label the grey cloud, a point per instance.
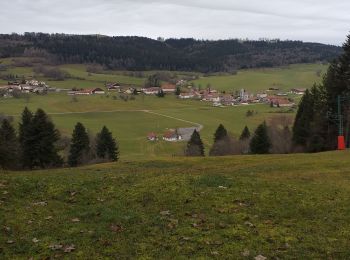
(308, 20)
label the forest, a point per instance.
(140, 53)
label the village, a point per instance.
(184, 91)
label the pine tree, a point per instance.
(79, 145)
(26, 139)
(106, 145)
(44, 137)
(9, 146)
(260, 143)
(303, 118)
(245, 134)
(160, 93)
(177, 91)
(220, 133)
(195, 145)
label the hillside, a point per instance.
(292, 206)
(138, 53)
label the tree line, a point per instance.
(316, 124)
(140, 53)
(36, 146)
(273, 138)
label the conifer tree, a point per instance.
(195, 145)
(220, 133)
(303, 118)
(160, 93)
(9, 146)
(177, 91)
(79, 145)
(44, 137)
(245, 134)
(106, 145)
(26, 139)
(260, 143)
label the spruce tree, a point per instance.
(220, 133)
(79, 145)
(160, 93)
(44, 137)
(26, 139)
(245, 134)
(9, 146)
(195, 145)
(106, 145)
(303, 119)
(260, 143)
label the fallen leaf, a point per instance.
(173, 223)
(75, 220)
(116, 228)
(48, 217)
(10, 242)
(245, 252)
(35, 240)
(40, 203)
(165, 213)
(69, 248)
(249, 224)
(222, 187)
(222, 225)
(55, 246)
(186, 238)
(260, 257)
(214, 253)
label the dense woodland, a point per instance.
(139, 53)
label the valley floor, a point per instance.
(277, 206)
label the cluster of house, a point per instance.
(169, 136)
(241, 98)
(26, 86)
(91, 91)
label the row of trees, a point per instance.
(37, 144)
(139, 53)
(275, 138)
(316, 124)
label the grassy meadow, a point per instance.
(129, 121)
(256, 80)
(277, 206)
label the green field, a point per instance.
(257, 80)
(129, 122)
(277, 206)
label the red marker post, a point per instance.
(341, 143)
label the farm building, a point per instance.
(172, 136)
(298, 91)
(169, 88)
(151, 91)
(152, 137)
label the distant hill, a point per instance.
(139, 53)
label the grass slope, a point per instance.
(286, 207)
(130, 125)
(258, 80)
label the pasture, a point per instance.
(239, 207)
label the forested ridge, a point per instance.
(140, 53)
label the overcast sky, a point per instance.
(308, 20)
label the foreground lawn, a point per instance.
(286, 207)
